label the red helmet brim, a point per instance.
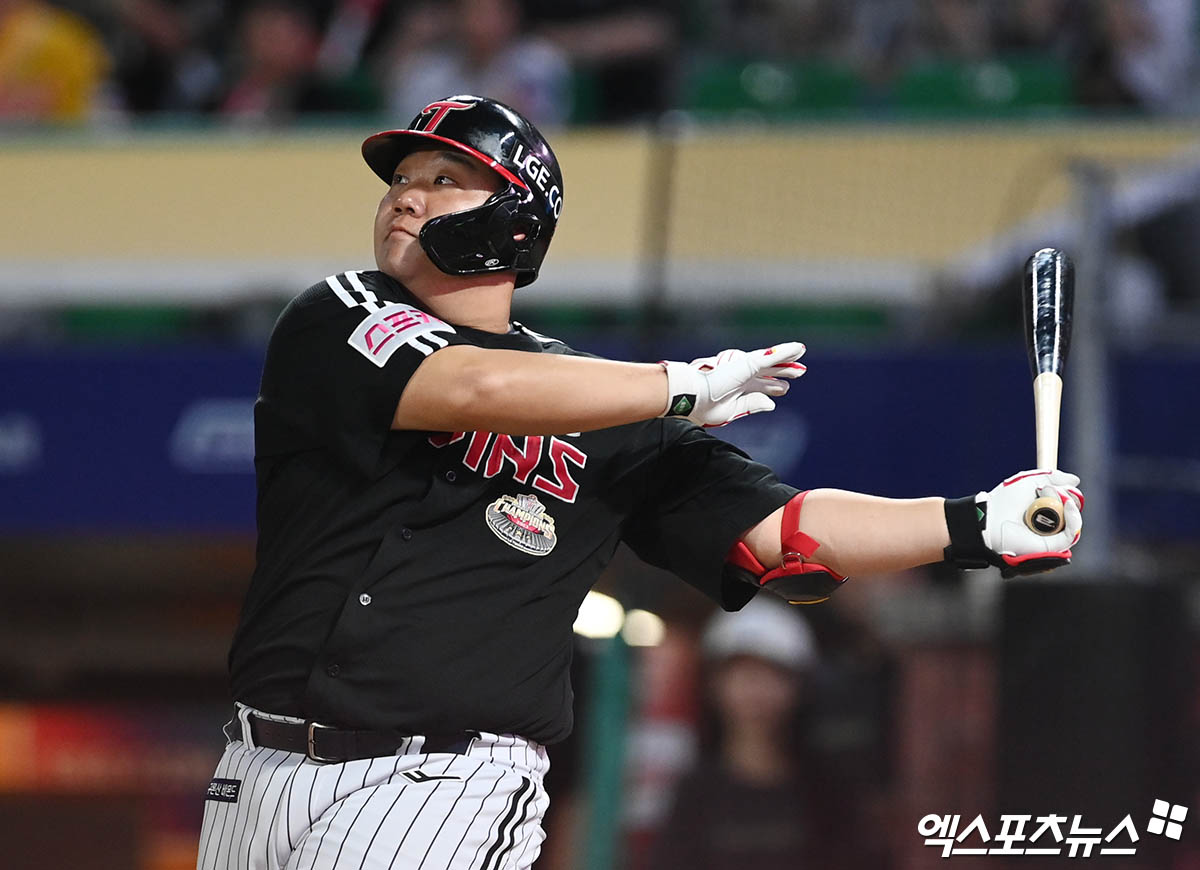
(384, 150)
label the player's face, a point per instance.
(426, 184)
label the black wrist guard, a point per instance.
(965, 519)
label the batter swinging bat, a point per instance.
(1048, 296)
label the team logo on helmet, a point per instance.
(522, 523)
(429, 118)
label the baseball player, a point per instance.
(438, 488)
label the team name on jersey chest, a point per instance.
(545, 462)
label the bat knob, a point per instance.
(1044, 516)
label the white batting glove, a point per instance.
(716, 390)
(1004, 532)
(989, 527)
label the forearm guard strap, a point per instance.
(797, 579)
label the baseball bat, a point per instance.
(1048, 297)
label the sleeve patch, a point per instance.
(384, 330)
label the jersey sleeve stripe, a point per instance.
(356, 284)
(417, 344)
(346, 285)
(338, 290)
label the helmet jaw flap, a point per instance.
(480, 240)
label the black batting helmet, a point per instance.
(480, 239)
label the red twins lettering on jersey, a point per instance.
(562, 485)
(392, 325)
(474, 454)
(524, 459)
(525, 454)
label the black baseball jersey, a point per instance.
(428, 581)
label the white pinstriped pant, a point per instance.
(409, 811)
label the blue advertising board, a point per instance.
(161, 439)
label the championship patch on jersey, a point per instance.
(522, 523)
(395, 324)
(224, 790)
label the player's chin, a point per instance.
(402, 261)
(393, 247)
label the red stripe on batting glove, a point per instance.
(1013, 480)
(1018, 560)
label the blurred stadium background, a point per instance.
(867, 176)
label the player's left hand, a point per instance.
(716, 390)
(1017, 549)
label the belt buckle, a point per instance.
(312, 748)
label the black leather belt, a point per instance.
(326, 744)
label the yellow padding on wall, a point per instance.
(853, 191)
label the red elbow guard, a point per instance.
(797, 580)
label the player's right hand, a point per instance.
(1018, 549)
(716, 390)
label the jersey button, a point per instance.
(406, 534)
(333, 670)
(364, 599)
(451, 476)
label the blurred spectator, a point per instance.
(167, 53)
(52, 63)
(1050, 27)
(348, 32)
(777, 28)
(954, 29)
(757, 798)
(277, 75)
(878, 38)
(1143, 54)
(890, 34)
(277, 57)
(477, 47)
(625, 52)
